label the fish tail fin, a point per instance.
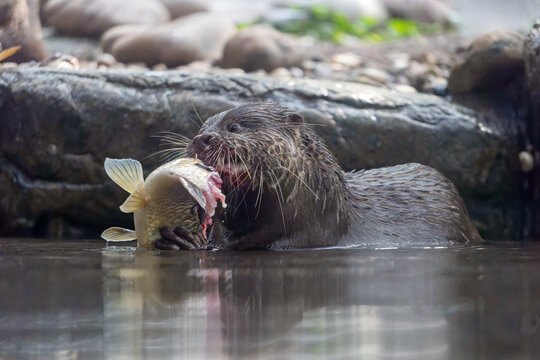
(135, 201)
(116, 234)
(127, 173)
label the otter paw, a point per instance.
(180, 239)
(163, 244)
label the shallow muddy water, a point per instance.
(84, 300)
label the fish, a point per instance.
(169, 197)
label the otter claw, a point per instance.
(181, 239)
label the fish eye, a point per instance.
(207, 168)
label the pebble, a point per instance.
(296, 72)
(321, 69)
(348, 59)
(195, 66)
(374, 74)
(281, 72)
(400, 62)
(435, 85)
(404, 88)
(417, 70)
(526, 161)
(93, 18)
(262, 47)
(106, 60)
(491, 61)
(137, 67)
(159, 67)
(199, 36)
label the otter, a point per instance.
(285, 190)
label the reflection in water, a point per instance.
(73, 300)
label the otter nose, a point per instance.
(201, 142)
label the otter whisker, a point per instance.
(245, 166)
(173, 137)
(301, 181)
(168, 154)
(259, 195)
(197, 125)
(280, 202)
(198, 116)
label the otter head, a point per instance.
(281, 182)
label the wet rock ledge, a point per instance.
(57, 127)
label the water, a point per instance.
(83, 300)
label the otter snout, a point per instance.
(203, 145)
(200, 143)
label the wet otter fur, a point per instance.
(285, 190)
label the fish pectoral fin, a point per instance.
(118, 234)
(127, 173)
(135, 201)
(194, 191)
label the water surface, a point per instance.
(84, 300)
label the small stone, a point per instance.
(376, 75)
(62, 61)
(179, 8)
(358, 8)
(435, 85)
(195, 66)
(296, 72)
(348, 59)
(281, 72)
(159, 67)
(200, 36)
(106, 60)
(308, 65)
(88, 65)
(400, 62)
(321, 69)
(417, 70)
(262, 47)
(336, 67)
(93, 18)
(491, 61)
(427, 57)
(526, 160)
(427, 11)
(137, 67)
(8, 65)
(282, 16)
(404, 88)
(229, 71)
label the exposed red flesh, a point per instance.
(212, 194)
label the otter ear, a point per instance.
(295, 118)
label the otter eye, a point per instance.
(234, 128)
